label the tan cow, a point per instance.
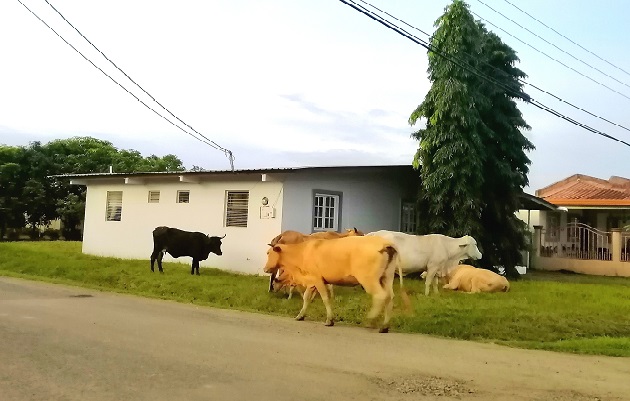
(295, 237)
(468, 278)
(349, 261)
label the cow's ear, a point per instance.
(277, 248)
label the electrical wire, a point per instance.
(203, 138)
(567, 38)
(520, 80)
(552, 58)
(523, 96)
(552, 44)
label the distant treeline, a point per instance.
(30, 199)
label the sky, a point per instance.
(289, 83)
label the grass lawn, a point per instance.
(544, 310)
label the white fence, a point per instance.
(577, 241)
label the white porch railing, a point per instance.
(576, 241)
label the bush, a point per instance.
(13, 235)
(52, 234)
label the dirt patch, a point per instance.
(428, 386)
(574, 396)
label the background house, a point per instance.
(601, 204)
(586, 233)
(249, 206)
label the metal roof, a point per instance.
(228, 172)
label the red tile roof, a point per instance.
(584, 190)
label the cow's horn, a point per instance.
(223, 236)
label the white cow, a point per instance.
(433, 253)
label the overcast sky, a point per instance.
(286, 83)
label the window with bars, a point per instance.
(236, 208)
(183, 196)
(326, 211)
(113, 210)
(552, 231)
(154, 196)
(408, 218)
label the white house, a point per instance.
(249, 206)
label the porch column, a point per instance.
(536, 243)
(616, 244)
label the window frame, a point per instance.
(236, 211)
(115, 214)
(181, 192)
(337, 210)
(153, 200)
(413, 221)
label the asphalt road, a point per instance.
(67, 343)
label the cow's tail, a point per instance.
(394, 258)
(506, 287)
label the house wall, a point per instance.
(367, 204)
(244, 249)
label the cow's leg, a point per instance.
(432, 271)
(379, 299)
(271, 279)
(323, 292)
(153, 257)
(388, 285)
(307, 298)
(159, 261)
(195, 267)
(452, 285)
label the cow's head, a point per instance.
(280, 281)
(213, 244)
(354, 232)
(468, 245)
(273, 259)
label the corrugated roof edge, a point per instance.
(242, 171)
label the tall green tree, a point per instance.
(29, 196)
(450, 155)
(12, 179)
(471, 153)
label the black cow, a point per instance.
(183, 243)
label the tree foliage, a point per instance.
(471, 153)
(29, 195)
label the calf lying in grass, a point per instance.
(470, 279)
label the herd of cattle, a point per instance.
(314, 263)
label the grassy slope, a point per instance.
(572, 313)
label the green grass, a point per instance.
(545, 310)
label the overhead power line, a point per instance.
(523, 96)
(520, 80)
(575, 43)
(201, 138)
(552, 58)
(554, 45)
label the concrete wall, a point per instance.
(368, 203)
(244, 249)
(593, 267)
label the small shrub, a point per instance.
(52, 234)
